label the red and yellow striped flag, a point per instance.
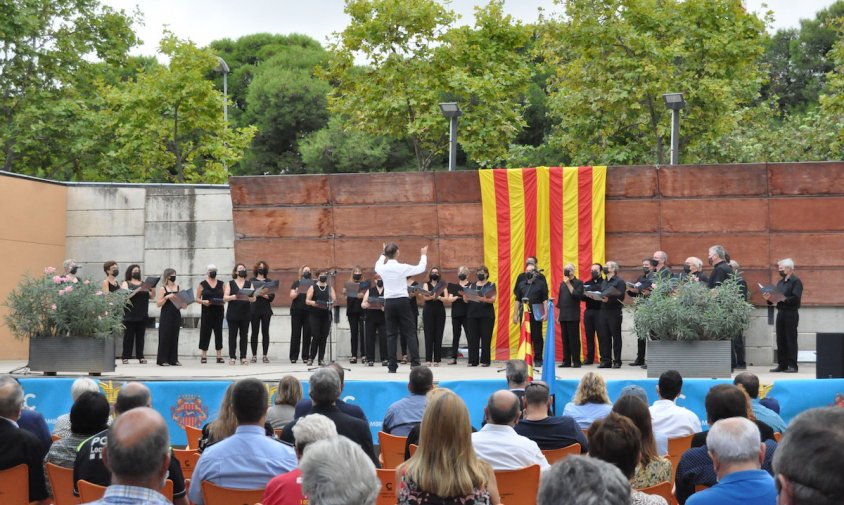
(526, 344)
(555, 214)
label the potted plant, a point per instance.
(690, 328)
(70, 325)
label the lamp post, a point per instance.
(223, 68)
(675, 102)
(452, 111)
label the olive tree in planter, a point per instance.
(70, 325)
(690, 328)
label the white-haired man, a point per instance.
(788, 316)
(336, 471)
(721, 270)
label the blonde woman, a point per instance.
(288, 395)
(226, 423)
(445, 470)
(591, 401)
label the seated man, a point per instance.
(737, 453)
(336, 471)
(248, 459)
(404, 414)
(17, 445)
(304, 406)
(549, 432)
(750, 383)
(497, 442)
(724, 401)
(581, 479)
(669, 418)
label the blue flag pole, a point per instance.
(549, 364)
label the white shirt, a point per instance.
(672, 420)
(504, 449)
(395, 274)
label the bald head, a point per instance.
(503, 408)
(138, 450)
(132, 395)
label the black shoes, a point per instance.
(576, 365)
(589, 362)
(605, 365)
(565, 365)
(790, 369)
(777, 369)
(616, 365)
(638, 362)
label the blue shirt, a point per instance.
(750, 487)
(402, 415)
(768, 416)
(131, 495)
(246, 460)
(587, 413)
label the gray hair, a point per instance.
(809, 456)
(143, 458)
(635, 390)
(516, 371)
(694, 260)
(312, 428)
(67, 263)
(585, 481)
(786, 263)
(735, 265)
(719, 251)
(324, 386)
(734, 440)
(81, 386)
(336, 471)
(612, 266)
(11, 397)
(661, 256)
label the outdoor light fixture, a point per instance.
(452, 111)
(675, 102)
(223, 68)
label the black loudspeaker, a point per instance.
(830, 355)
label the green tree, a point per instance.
(335, 149)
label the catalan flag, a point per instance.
(526, 345)
(555, 214)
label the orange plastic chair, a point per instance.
(93, 492)
(11, 490)
(554, 455)
(387, 495)
(518, 486)
(392, 449)
(55, 437)
(412, 449)
(193, 434)
(676, 448)
(187, 460)
(778, 436)
(662, 489)
(701, 487)
(218, 495)
(61, 482)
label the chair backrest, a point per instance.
(193, 434)
(412, 449)
(13, 490)
(218, 495)
(676, 448)
(187, 460)
(662, 489)
(388, 494)
(93, 492)
(518, 486)
(55, 437)
(392, 449)
(554, 455)
(61, 482)
(700, 487)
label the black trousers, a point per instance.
(738, 351)
(457, 322)
(376, 331)
(786, 327)
(300, 335)
(208, 323)
(640, 350)
(399, 319)
(133, 336)
(609, 336)
(320, 322)
(261, 321)
(356, 328)
(433, 324)
(238, 326)
(571, 342)
(537, 339)
(479, 334)
(169, 326)
(590, 326)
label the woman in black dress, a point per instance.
(238, 314)
(320, 299)
(170, 320)
(210, 295)
(458, 312)
(135, 315)
(433, 317)
(110, 283)
(413, 299)
(355, 315)
(300, 330)
(262, 311)
(480, 317)
(375, 323)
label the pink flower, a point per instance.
(53, 307)
(61, 292)
(57, 279)
(68, 289)
(99, 293)
(86, 282)
(49, 270)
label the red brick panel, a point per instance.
(723, 215)
(460, 220)
(380, 188)
(807, 214)
(279, 190)
(629, 249)
(817, 178)
(640, 216)
(463, 186)
(286, 253)
(749, 249)
(808, 248)
(713, 180)
(283, 222)
(385, 221)
(364, 252)
(819, 286)
(455, 252)
(631, 182)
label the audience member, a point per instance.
(497, 442)
(286, 489)
(750, 383)
(639, 392)
(336, 471)
(652, 469)
(404, 414)
(289, 393)
(62, 427)
(17, 445)
(138, 456)
(549, 432)
(516, 373)
(89, 463)
(808, 461)
(771, 402)
(583, 481)
(226, 423)
(615, 439)
(324, 389)
(248, 459)
(724, 401)
(591, 401)
(737, 453)
(304, 406)
(445, 469)
(669, 418)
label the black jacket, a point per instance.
(720, 273)
(350, 427)
(20, 446)
(569, 302)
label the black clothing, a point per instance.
(641, 344)
(212, 316)
(238, 315)
(590, 328)
(238, 310)
(767, 433)
(537, 293)
(304, 406)
(480, 321)
(787, 321)
(399, 318)
(300, 330)
(320, 322)
(592, 285)
(553, 432)
(569, 301)
(355, 315)
(298, 304)
(738, 355)
(169, 325)
(113, 287)
(609, 322)
(138, 307)
(350, 427)
(720, 273)
(614, 302)
(135, 316)
(20, 446)
(433, 326)
(458, 320)
(262, 311)
(262, 305)
(375, 329)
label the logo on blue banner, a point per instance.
(189, 411)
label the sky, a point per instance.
(203, 21)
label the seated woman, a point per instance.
(62, 427)
(445, 470)
(288, 395)
(226, 423)
(591, 401)
(652, 468)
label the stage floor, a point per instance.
(193, 370)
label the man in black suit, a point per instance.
(609, 322)
(304, 406)
(532, 290)
(324, 391)
(568, 301)
(721, 269)
(16, 445)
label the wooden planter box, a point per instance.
(71, 354)
(696, 358)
